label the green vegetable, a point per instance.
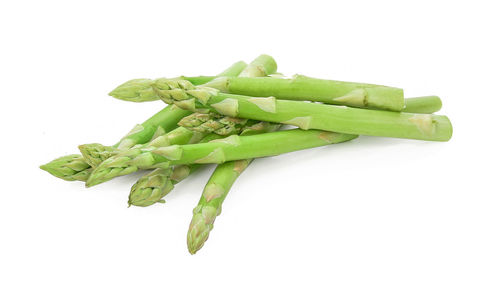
(213, 195)
(298, 88)
(217, 151)
(210, 204)
(309, 115)
(305, 88)
(162, 122)
(152, 187)
(202, 122)
(73, 167)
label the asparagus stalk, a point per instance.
(214, 193)
(152, 187)
(424, 105)
(308, 115)
(300, 87)
(202, 122)
(210, 204)
(232, 148)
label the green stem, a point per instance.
(337, 119)
(231, 148)
(210, 204)
(300, 87)
(309, 115)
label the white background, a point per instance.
(371, 215)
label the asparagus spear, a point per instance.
(232, 148)
(308, 115)
(298, 88)
(213, 195)
(152, 187)
(210, 204)
(202, 122)
(301, 87)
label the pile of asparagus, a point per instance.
(234, 117)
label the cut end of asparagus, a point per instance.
(260, 66)
(96, 153)
(433, 127)
(424, 105)
(151, 188)
(69, 168)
